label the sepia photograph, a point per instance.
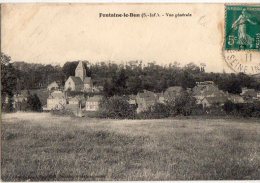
(130, 92)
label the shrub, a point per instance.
(116, 107)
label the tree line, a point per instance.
(118, 79)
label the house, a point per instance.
(248, 93)
(53, 86)
(73, 84)
(145, 100)
(172, 93)
(56, 101)
(206, 89)
(213, 101)
(92, 103)
(79, 82)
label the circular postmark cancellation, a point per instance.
(241, 47)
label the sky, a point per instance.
(57, 33)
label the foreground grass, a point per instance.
(45, 147)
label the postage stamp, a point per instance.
(242, 28)
(241, 47)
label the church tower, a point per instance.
(80, 71)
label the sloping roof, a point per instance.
(76, 80)
(57, 95)
(87, 80)
(214, 100)
(53, 83)
(250, 92)
(176, 89)
(95, 98)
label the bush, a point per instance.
(245, 110)
(116, 107)
(34, 103)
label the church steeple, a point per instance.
(80, 71)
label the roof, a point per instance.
(249, 92)
(76, 80)
(53, 83)
(214, 100)
(177, 89)
(57, 95)
(95, 98)
(87, 80)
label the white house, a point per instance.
(53, 86)
(92, 103)
(56, 101)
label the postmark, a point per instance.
(241, 47)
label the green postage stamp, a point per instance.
(242, 27)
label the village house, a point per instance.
(75, 102)
(213, 101)
(92, 103)
(79, 82)
(53, 86)
(207, 89)
(56, 101)
(249, 94)
(145, 100)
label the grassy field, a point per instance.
(46, 147)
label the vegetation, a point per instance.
(132, 77)
(8, 83)
(184, 105)
(116, 107)
(244, 110)
(43, 147)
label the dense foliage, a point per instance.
(8, 83)
(116, 107)
(183, 105)
(243, 109)
(132, 77)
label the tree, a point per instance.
(34, 103)
(8, 82)
(184, 104)
(187, 80)
(69, 68)
(116, 107)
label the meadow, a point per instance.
(45, 147)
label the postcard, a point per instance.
(130, 92)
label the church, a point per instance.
(80, 82)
